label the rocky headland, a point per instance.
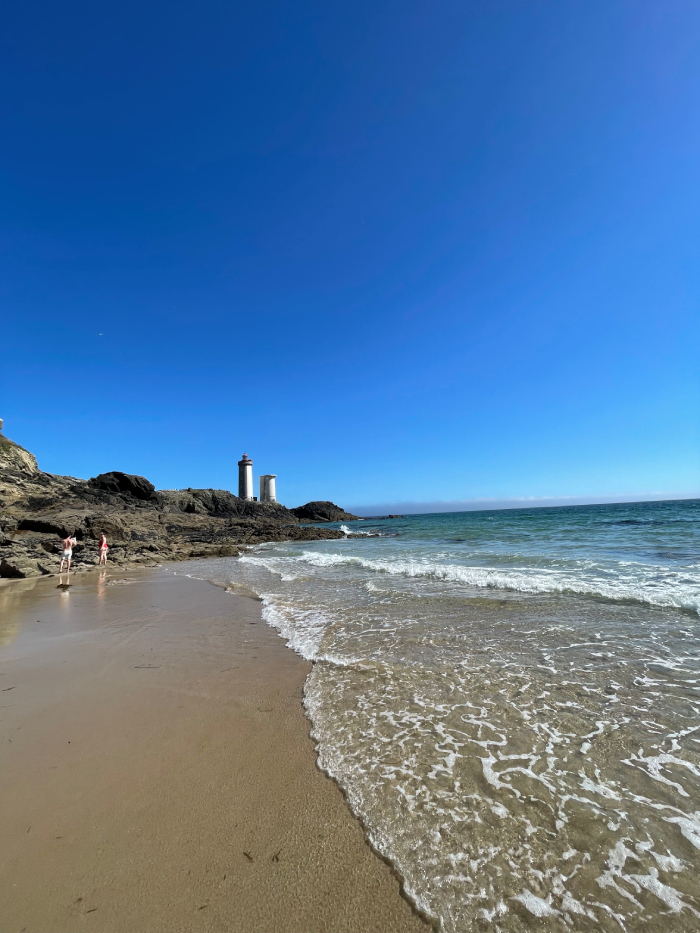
(144, 526)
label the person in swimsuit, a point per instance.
(67, 552)
(103, 549)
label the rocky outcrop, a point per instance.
(115, 481)
(143, 525)
(17, 458)
(322, 512)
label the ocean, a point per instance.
(510, 701)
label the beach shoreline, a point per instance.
(158, 770)
(506, 701)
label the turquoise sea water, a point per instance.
(511, 702)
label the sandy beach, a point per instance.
(158, 773)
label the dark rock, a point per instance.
(20, 567)
(117, 482)
(312, 534)
(48, 525)
(113, 526)
(55, 523)
(322, 512)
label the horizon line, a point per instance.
(411, 507)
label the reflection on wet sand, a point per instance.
(12, 593)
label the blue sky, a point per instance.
(398, 252)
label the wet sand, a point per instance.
(158, 774)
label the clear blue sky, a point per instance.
(397, 251)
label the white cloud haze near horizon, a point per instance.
(515, 502)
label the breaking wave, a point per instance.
(511, 705)
(667, 589)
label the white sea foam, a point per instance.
(689, 827)
(536, 905)
(303, 629)
(664, 594)
(523, 760)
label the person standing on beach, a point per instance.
(67, 552)
(103, 549)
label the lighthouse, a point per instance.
(245, 478)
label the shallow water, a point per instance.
(511, 702)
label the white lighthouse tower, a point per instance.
(245, 478)
(268, 493)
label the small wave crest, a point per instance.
(350, 533)
(665, 593)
